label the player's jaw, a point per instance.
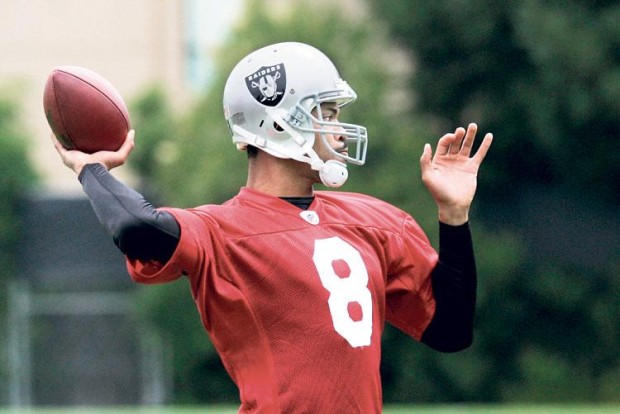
(331, 147)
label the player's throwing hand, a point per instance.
(76, 160)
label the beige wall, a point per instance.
(132, 43)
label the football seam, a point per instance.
(62, 118)
(102, 93)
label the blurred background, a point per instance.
(543, 76)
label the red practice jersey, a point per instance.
(295, 301)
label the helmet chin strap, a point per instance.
(332, 173)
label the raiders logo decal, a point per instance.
(267, 85)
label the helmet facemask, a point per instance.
(303, 119)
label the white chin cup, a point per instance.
(333, 173)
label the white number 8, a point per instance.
(345, 290)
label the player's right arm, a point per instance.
(139, 230)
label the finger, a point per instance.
(443, 145)
(459, 134)
(484, 148)
(468, 141)
(57, 144)
(119, 157)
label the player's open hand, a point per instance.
(76, 160)
(451, 173)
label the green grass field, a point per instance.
(413, 409)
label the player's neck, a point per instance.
(278, 177)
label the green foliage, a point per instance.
(154, 122)
(543, 77)
(17, 175)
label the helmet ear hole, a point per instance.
(277, 127)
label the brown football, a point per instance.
(84, 110)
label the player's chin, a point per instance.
(342, 157)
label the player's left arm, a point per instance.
(451, 177)
(454, 282)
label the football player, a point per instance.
(294, 285)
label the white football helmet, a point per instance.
(269, 100)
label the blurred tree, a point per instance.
(155, 125)
(544, 77)
(16, 178)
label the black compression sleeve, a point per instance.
(139, 230)
(454, 281)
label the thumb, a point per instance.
(128, 145)
(425, 159)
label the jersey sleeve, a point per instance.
(191, 254)
(410, 304)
